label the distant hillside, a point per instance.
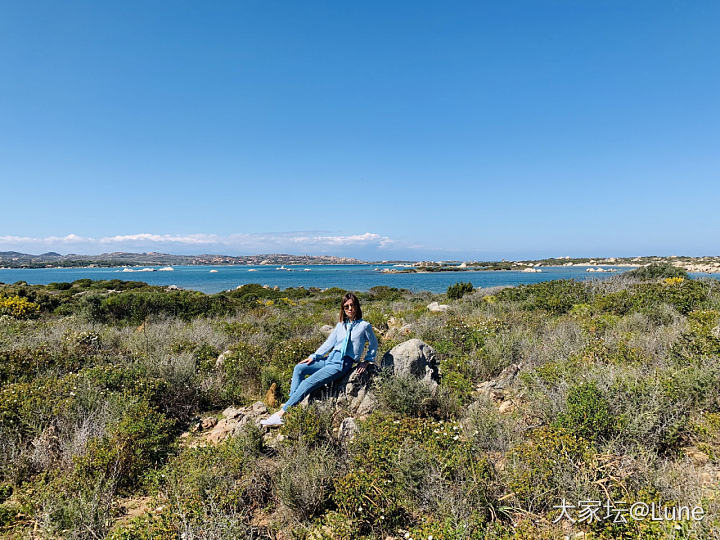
(14, 259)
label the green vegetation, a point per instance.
(459, 290)
(557, 390)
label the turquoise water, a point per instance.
(351, 277)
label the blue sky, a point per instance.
(468, 130)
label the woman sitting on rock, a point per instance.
(345, 346)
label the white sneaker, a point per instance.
(274, 420)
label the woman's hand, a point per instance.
(362, 366)
(307, 361)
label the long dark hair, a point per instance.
(356, 303)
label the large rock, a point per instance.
(234, 419)
(413, 357)
(434, 306)
(353, 393)
(496, 388)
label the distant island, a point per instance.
(708, 264)
(14, 259)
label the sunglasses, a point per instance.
(349, 306)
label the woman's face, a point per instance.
(349, 309)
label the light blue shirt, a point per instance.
(361, 332)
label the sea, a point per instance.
(355, 277)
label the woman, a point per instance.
(334, 358)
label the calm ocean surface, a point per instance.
(212, 279)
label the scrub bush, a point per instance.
(140, 442)
(304, 480)
(311, 425)
(550, 465)
(385, 484)
(18, 307)
(383, 293)
(556, 297)
(588, 414)
(487, 429)
(207, 492)
(134, 307)
(458, 290)
(655, 271)
(404, 394)
(622, 375)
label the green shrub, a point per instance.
(550, 465)
(588, 414)
(656, 271)
(139, 442)
(684, 296)
(458, 290)
(617, 303)
(134, 307)
(557, 296)
(241, 372)
(383, 293)
(381, 489)
(304, 481)
(404, 394)
(311, 425)
(207, 492)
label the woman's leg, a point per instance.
(328, 373)
(303, 370)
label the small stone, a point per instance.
(259, 408)
(395, 322)
(347, 430)
(698, 458)
(232, 412)
(506, 407)
(220, 362)
(326, 329)
(208, 422)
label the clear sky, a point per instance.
(468, 130)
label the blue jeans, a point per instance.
(319, 373)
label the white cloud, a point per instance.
(162, 238)
(349, 240)
(259, 242)
(68, 239)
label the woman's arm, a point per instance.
(327, 346)
(371, 350)
(372, 344)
